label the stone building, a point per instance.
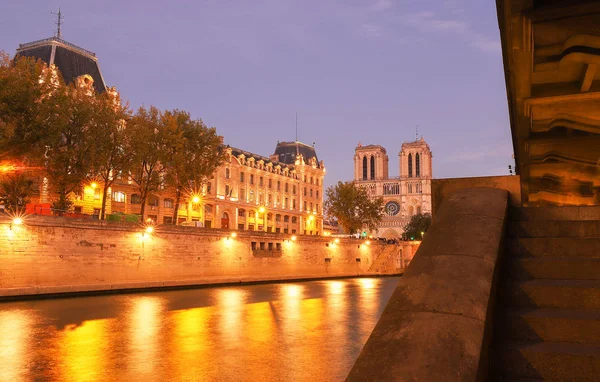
(281, 193)
(405, 195)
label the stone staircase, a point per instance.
(385, 262)
(547, 321)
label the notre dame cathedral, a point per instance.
(405, 195)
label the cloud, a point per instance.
(382, 5)
(429, 23)
(372, 30)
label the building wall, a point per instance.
(49, 254)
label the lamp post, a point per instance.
(262, 210)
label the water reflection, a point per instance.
(15, 332)
(293, 332)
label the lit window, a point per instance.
(168, 203)
(118, 196)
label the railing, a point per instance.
(59, 40)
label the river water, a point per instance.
(305, 331)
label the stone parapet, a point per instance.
(437, 323)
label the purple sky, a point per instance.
(354, 70)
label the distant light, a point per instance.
(261, 209)
(294, 238)
(337, 240)
(17, 221)
(368, 242)
(94, 185)
(196, 199)
(149, 229)
(233, 234)
(311, 217)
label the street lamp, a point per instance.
(262, 210)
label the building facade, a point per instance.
(280, 193)
(405, 195)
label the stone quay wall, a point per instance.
(51, 255)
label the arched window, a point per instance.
(227, 173)
(365, 168)
(372, 167)
(410, 165)
(417, 165)
(225, 216)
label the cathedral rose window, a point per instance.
(392, 208)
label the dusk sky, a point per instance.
(364, 71)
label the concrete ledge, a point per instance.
(45, 292)
(436, 325)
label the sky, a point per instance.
(367, 71)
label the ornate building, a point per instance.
(281, 193)
(404, 196)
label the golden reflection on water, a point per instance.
(232, 302)
(192, 343)
(369, 300)
(15, 332)
(83, 350)
(145, 319)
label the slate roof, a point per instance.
(286, 152)
(71, 60)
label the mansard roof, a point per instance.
(71, 60)
(237, 152)
(287, 152)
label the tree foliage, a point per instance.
(15, 190)
(194, 155)
(416, 227)
(352, 207)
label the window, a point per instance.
(227, 173)
(251, 196)
(417, 165)
(270, 184)
(227, 191)
(97, 194)
(410, 172)
(285, 205)
(118, 196)
(317, 181)
(304, 206)
(251, 178)
(153, 201)
(241, 212)
(278, 185)
(294, 219)
(294, 189)
(410, 188)
(168, 203)
(286, 219)
(304, 178)
(208, 209)
(135, 199)
(287, 187)
(277, 218)
(311, 206)
(304, 191)
(294, 203)
(260, 181)
(364, 168)
(243, 193)
(167, 220)
(311, 192)
(317, 193)
(208, 187)
(270, 199)
(242, 177)
(311, 180)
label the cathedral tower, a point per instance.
(415, 160)
(370, 163)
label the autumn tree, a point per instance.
(352, 207)
(15, 190)
(149, 144)
(111, 154)
(193, 155)
(417, 226)
(69, 120)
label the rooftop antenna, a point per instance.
(59, 19)
(297, 149)
(417, 133)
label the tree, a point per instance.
(15, 190)
(150, 139)
(70, 118)
(352, 207)
(111, 154)
(416, 227)
(24, 83)
(194, 155)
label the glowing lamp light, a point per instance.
(311, 217)
(261, 209)
(233, 234)
(196, 199)
(337, 241)
(294, 238)
(17, 221)
(149, 229)
(94, 185)
(368, 242)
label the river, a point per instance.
(301, 331)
